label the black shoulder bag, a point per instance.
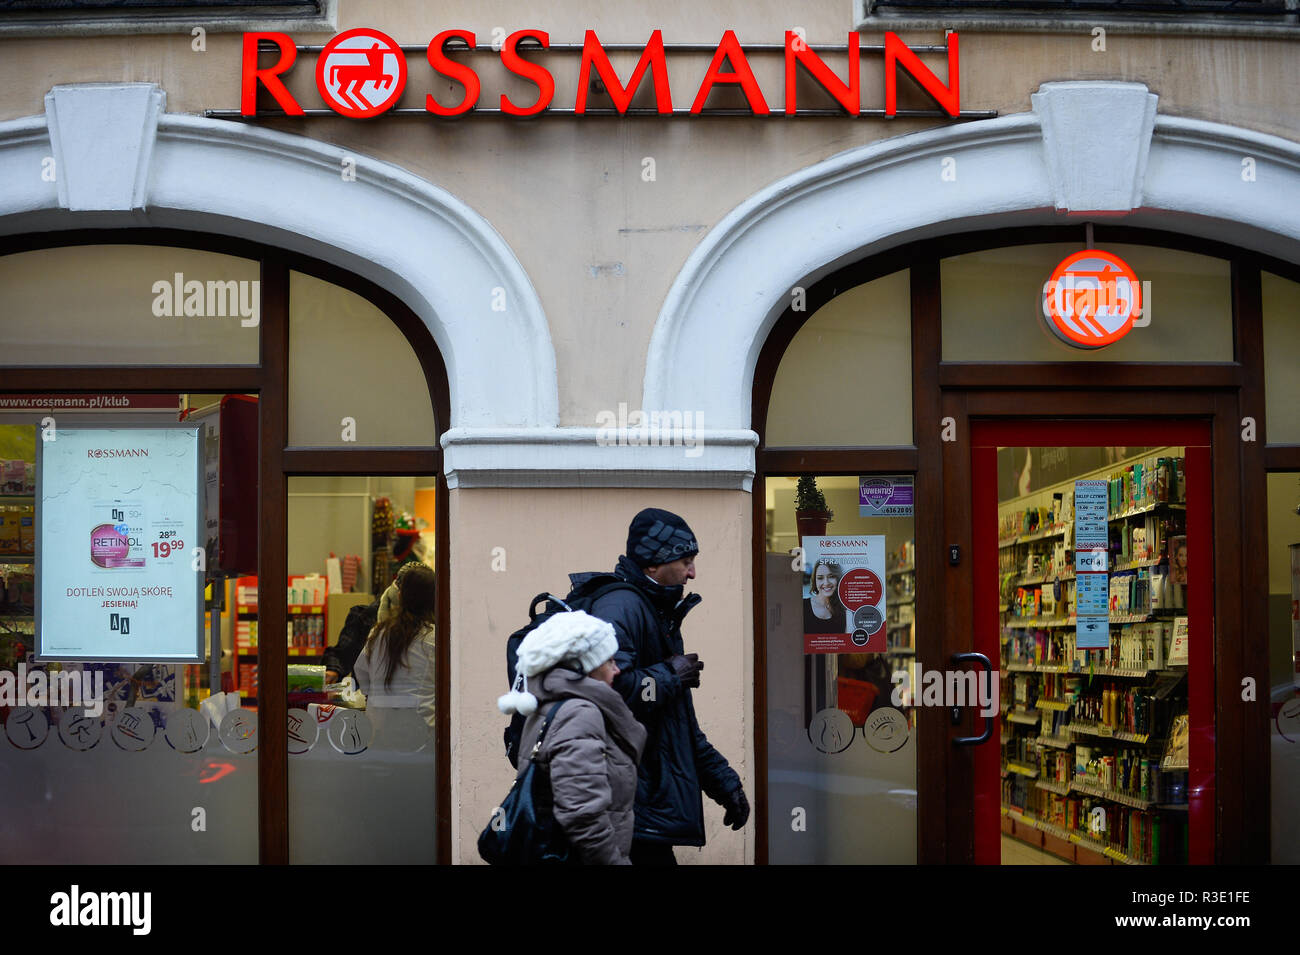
(523, 830)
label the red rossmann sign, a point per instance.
(361, 74)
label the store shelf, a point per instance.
(900, 571)
(900, 652)
(1057, 742)
(1124, 799)
(1035, 668)
(1067, 835)
(1046, 623)
(1138, 564)
(899, 601)
(1021, 716)
(1059, 531)
(1169, 766)
(1107, 732)
(17, 498)
(17, 559)
(1020, 769)
(1061, 789)
(1122, 672)
(291, 651)
(1035, 581)
(1147, 509)
(1059, 706)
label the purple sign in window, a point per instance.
(885, 496)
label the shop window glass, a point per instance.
(159, 767)
(362, 781)
(354, 380)
(846, 378)
(992, 307)
(128, 305)
(1284, 662)
(841, 756)
(1281, 307)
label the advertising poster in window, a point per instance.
(119, 518)
(844, 595)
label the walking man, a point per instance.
(656, 680)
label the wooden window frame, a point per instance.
(1221, 392)
(278, 461)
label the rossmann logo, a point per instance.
(361, 74)
(117, 453)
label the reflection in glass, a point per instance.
(364, 789)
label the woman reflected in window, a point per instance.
(396, 668)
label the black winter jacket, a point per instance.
(352, 639)
(678, 761)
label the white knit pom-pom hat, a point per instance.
(573, 636)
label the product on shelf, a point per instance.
(10, 535)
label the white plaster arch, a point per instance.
(1087, 148)
(120, 160)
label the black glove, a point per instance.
(687, 668)
(737, 807)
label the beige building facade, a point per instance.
(758, 282)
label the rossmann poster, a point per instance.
(844, 599)
(118, 518)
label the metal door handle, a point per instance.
(983, 661)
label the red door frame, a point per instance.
(986, 437)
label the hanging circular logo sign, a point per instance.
(1092, 299)
(361, 73)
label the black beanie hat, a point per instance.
(659, 537)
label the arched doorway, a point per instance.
(935, 307)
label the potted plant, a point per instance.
(811, 515)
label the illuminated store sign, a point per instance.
(1092, 299)
(362, 73)
(117, 524)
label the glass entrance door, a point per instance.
(1094, 592)
(841, 632)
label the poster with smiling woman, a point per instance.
(844, 594)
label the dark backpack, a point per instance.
(587, 589)
(523, 830)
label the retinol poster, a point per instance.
(118, 520)
(844, 596)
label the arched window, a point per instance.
(348, 394)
